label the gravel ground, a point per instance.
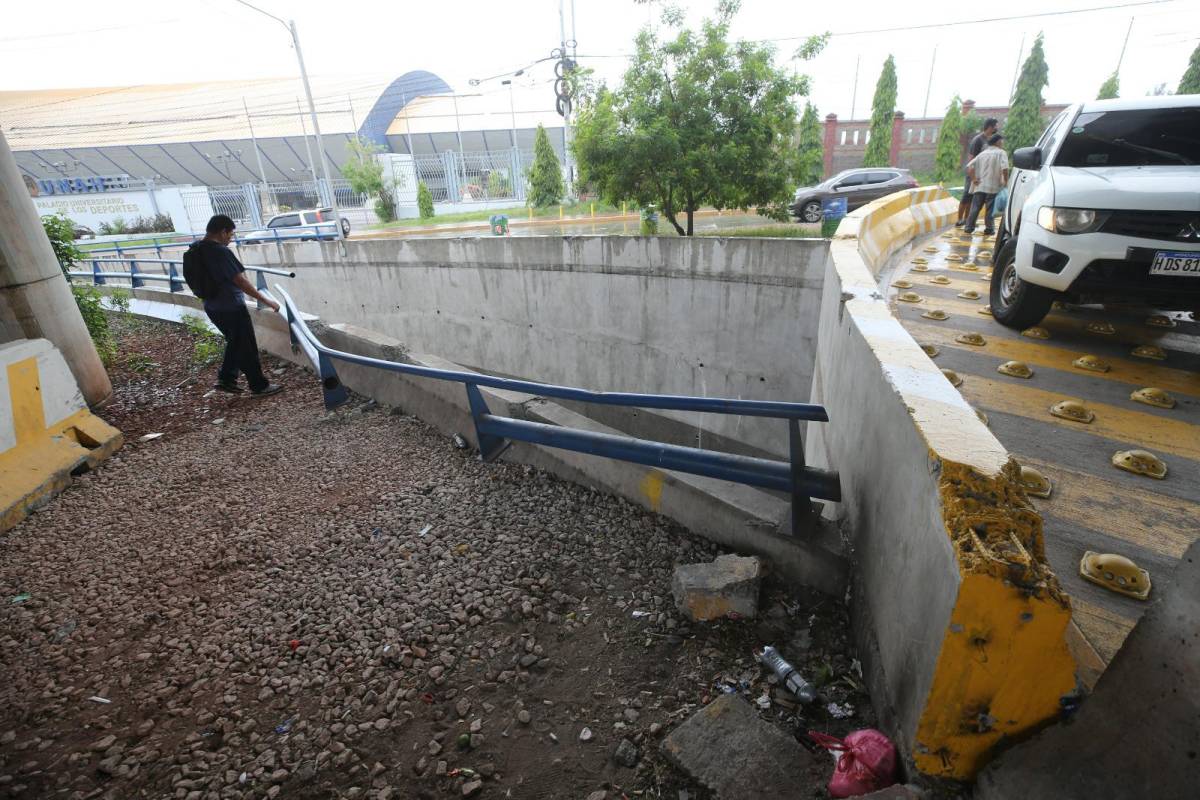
(269, 601)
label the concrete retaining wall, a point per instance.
(959, 618)
(714, 317)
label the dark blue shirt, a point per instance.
(223, 266)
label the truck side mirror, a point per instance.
(1027, 158)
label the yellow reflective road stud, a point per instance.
(930, 350)
(909, 297)
(1035, 483)
(1015, 369)
(968, 294)
(1140, 462)
(936, 314)
(1150, 351)
(1036, 332)
(1091, 363)
(1115, 572)
(1153, 396)
(973, 339)
(952, 376)
(1073, 411)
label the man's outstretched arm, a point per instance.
(240, 281)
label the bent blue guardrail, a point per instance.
(496, 433)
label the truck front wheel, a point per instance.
(1016, 303)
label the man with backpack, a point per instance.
(215, 275)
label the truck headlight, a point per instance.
(1070, 220)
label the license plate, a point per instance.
(1171, 262)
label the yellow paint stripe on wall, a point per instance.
(1105, 630)
(25, 394)
(1155, 522)
(1159, 434)
(1042, 354)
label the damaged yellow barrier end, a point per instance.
(47, 432)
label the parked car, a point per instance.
(297, 219)
(858, 186)
(1105, 208)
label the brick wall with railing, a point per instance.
(914, 141)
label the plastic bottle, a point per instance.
(792, 679)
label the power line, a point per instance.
(931, 25)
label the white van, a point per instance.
(1105, 208)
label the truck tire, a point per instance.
(1016, 303)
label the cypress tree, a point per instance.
(1024, 124)
(1190, 83)
(883, 111)
(545, 177)
(1110, 89)
(947, 164)
(811, 150)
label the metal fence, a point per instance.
(476, 176)
(250, 205)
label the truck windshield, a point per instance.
(1147, 137)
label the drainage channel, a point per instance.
(1098, 358)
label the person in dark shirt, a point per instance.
(226, 307)
(977, 145)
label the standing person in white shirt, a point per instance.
(988, 172)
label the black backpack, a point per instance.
(197, 275)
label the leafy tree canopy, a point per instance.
(810, 149)
(1110, 88)
(697, 120)
(545, 177)
(1190, 83)
(947, 164)
(1025, 124)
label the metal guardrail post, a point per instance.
(802, 510)
(175, 284)
(134, 281)
(490, 446)
(97, 275)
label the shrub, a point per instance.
(498, 184)
(91, 307)
(207, 346)
(545, 176)
(61, 233)
(424, 201)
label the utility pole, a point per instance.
(353, 121)
(1128, 31)
(312, 110)
(929, 86)
(854, 91)
(312, 165)
(511, 109)
(254, 142)
(1016, 70)
(568, 163)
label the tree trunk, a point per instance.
(676, 226)
(690, 214)
(669, 213)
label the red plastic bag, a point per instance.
(867, 762)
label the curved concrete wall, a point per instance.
(711, 317)
(960, 618)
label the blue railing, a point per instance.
(257, 235)
(496, 433)
(172, 274)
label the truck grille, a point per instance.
(1168, 226)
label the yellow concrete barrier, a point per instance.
(966, 618)
(46, 430)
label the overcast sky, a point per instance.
(75, 43)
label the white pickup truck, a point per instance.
(1105, 208)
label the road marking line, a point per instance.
(1148, 431)
(1104, 629)
(1135, 374)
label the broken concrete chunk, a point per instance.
(727, 748)
(728, 585)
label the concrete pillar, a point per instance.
(831, 127)
(894, 150)
(35, 300)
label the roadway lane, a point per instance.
(1093, 505)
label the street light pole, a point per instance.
(512, 111)
(312, 110)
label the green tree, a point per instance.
(947, 163)
(810, 164)
(1190, 83)
(424, 201)
(365, 174)
(697, 120)
(545, 176)
(61, 233)
(1024, 124)
(883, 111)
(1110, 89)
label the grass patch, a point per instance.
(165, 241)
(769, 231)
(207, 346)
(576, 209)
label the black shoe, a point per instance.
(958, 224)
(225, 386)
(270, 388)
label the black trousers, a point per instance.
(241, 348)
(978, 201)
